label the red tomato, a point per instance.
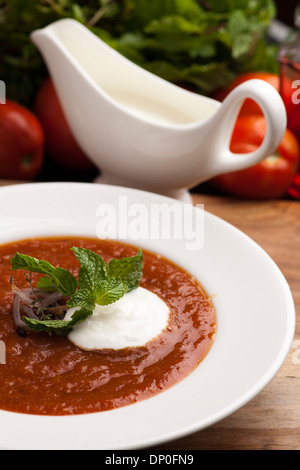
(269, 179)
(21, 142)
(294, 189)
(61, 145)
(249, 107)
(290, 96)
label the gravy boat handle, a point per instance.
(274, 111)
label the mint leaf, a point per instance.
(128, 270)
(92, 268)
(63, 280)
(97, 285)
(47, 284)
(109, 291)
(84, 298)
(60, 326)
(95, 276)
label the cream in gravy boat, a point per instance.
(140, 130)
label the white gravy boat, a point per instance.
(140, 130)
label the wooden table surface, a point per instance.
(271, 420)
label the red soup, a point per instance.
(48, 375)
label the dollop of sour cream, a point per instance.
(135, 319)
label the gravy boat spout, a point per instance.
(140, 130)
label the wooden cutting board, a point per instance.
(272, 419)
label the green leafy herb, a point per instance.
(97, 284)
(202, 43)
(58, 326)
(92, 268)
(58, 278)
(129, 270)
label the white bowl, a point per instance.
(255, 322)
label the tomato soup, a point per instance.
(48, 375)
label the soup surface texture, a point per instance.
(48, 375)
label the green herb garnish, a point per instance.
(57, 278)
(98, 284)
